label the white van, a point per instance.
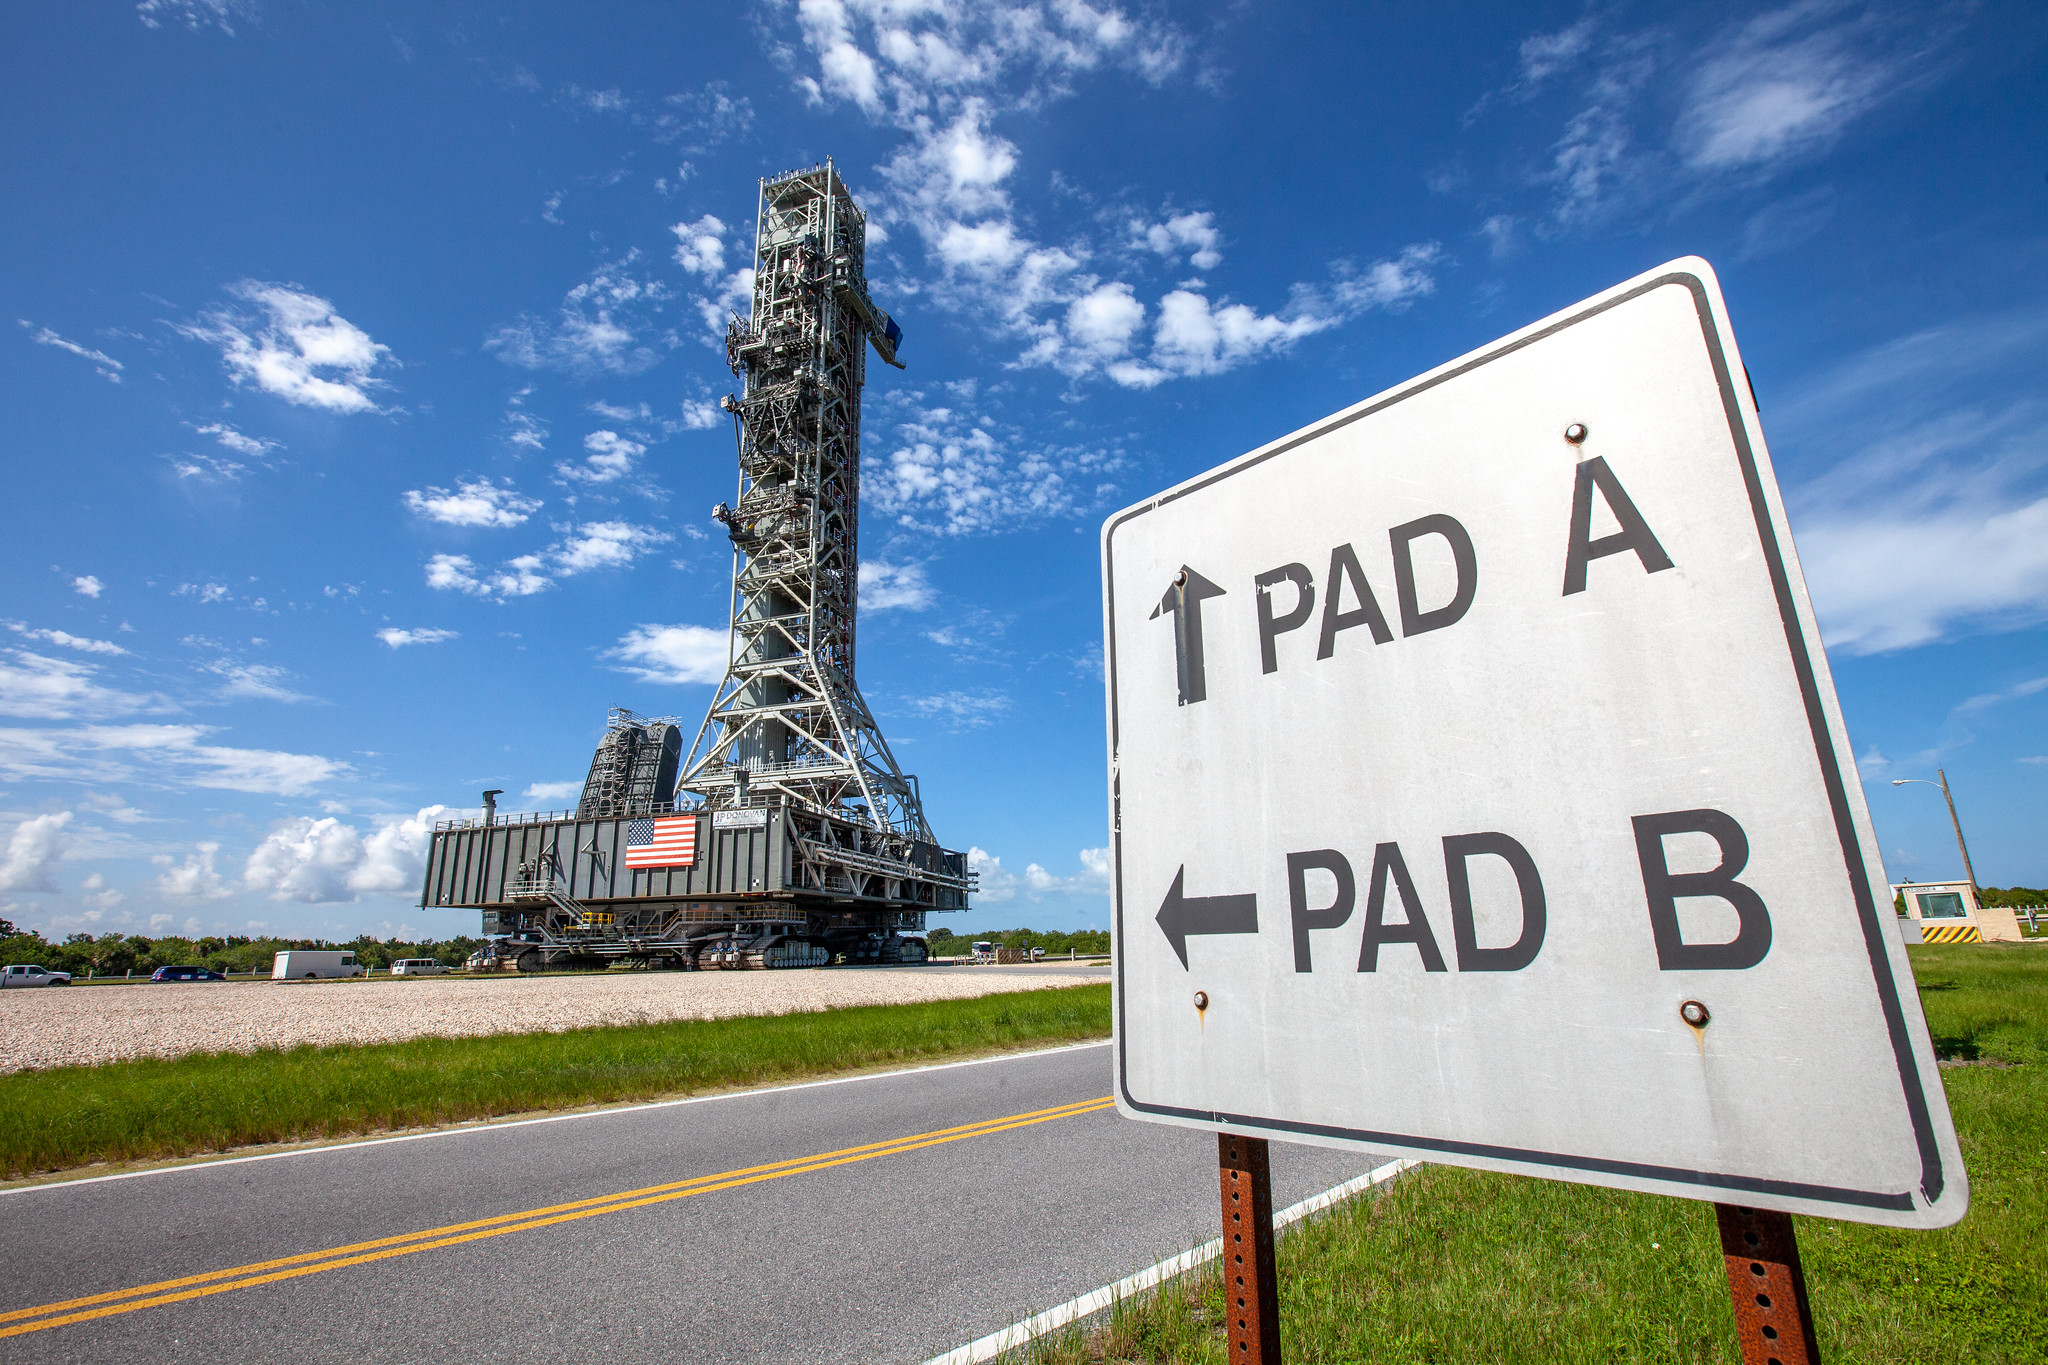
(307, 964)
(418, 966)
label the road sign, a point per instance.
(1479, 792)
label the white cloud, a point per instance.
(672, 654)
(1193, 235)
(254, 447)
(603, 326)
(108, 367)
(398, 639)
(609, 457)
(87, 586)
(1926, 512)
(33, 850)
(39, 687)
(264, 682)
(999, 885)
(1782, 85)
(962, 710)
(700, 246)
(604, 545)
(948, 472)
(592, 545)
(302, 351)
(66, 639)
(195, 879)
(162, 755)
(195, 14)
(884, 585)
(700, 415)
(618, 412)
(325, 861)
(540, 795)
(475, 502)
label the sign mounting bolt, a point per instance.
(1201, 1000)
(1576, 433)
(1694, 1013)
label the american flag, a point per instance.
(667, 841)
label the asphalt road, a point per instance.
(878, 1219)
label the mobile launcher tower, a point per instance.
(791, 838)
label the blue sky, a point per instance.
(358, 372)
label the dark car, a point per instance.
(185, 974)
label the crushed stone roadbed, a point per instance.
(68, 1026)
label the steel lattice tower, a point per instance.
(788, 725)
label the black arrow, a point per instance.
(1180, 916)
(1184, 600)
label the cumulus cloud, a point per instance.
(700, 415)
(474, 502)
(398, 639)
(605, 325)
(194, 879)
(1190, 235)
(87, 586)
(944, 75)
(33, 850)
(947, 471)
(108, 367)
(254, 447)
(672, 654)
(263, 682)
(299, 349)
(884, 585)
(196, 14)
(998, 884)
(607, 458)
(700, 246)
(591, 545)
(325, 861)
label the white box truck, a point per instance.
(305, 964)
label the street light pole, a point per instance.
(1969, 872)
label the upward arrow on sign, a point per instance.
(1184, 601)
(1181, 915)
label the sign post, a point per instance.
(1479, 794)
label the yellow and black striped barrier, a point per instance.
(1949, 933)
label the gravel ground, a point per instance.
(64, 1026)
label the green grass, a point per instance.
(1449, 1265)
(71, 1116)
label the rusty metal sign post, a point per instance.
(1479, 794)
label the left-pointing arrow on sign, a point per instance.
(1181, 915)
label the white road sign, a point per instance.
(1479, 792)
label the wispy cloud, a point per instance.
(108, 367)
(426, 635)
(65, 639)
(961, 710)
(605, 325)
(197, 14)
(159, 755)
(884, 586)
(943, 469)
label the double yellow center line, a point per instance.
(24, 1320)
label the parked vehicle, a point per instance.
(418, 966)
(26, 975)
(187, 973)
(310, 964)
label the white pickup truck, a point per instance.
(33, 976)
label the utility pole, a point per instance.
(1969, 873)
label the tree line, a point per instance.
(946, 943)
(117, 954)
